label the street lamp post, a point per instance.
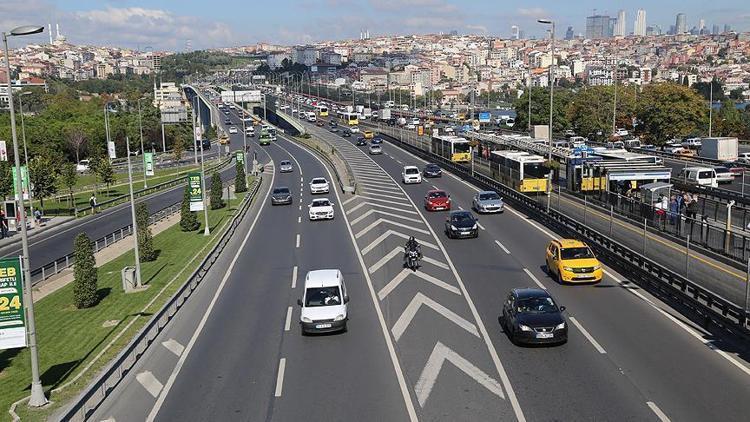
(26, 155)
(132, 215)
(37, 398)
(551, 97)
(140, 128)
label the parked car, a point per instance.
(533, 316)
(461, 224)
(83, 166)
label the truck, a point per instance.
(385, 114)
(366, 113)
(724, 148)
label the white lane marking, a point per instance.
(150, 383)
(700, 337)
(400, 203)
(294, 277)
(460, 207)
(588, 336)
(375, 188)
(388, 288)
(434, 187)
(536, 280)
(300, 207)
(362, 204)
(160, 400)
(173, 346)
(390, 214)
(385, 235)
(298, 238)
(405, 394)
(383, 220)
(497, 242)
(416, 303)
(384, 196)
(431, 371)
(659, 414)
(301, 179)
(480, 226)
(280, 377)
(288, 322)
(299, 219)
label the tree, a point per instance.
(736, 94)
(102, 167)
(6, 179)
(590, 112)
(76, 140)
(146, 249)
(240, 179)
(84, 273)
(216, 188)
(668, 110)
(69, 178)
(179, 147)
(540, 109)
(188, 220)
(43, 172)
(704, 88)
(728, 121)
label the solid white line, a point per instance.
(149, 382)
(297, 240)
(536, 280)
(163, 395)
(497, 242)
(294, 277)
(588, 336)
(288, 322)
(659, 414)
(280, 377)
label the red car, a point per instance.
(437, 200)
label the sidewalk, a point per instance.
(48, 223)
(105, 255)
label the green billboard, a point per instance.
(148, 162)
(12, 321)
(24, 182)
(240, 157)
(196, 191)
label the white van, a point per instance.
(324, 302)
(702, 176)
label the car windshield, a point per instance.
(322, 296)
(536, 305)
(432, 167)
(438, 194)
(488, 196)
(462, 219)
(286, 163)
(321, 203)
(576, 253)
(281, 190)
(318, 181)
(721, 169)
(411, 171)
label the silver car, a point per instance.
(286, 166)
(375, 149)
(487, 202)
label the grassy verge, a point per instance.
(70, 338)
(85, 181)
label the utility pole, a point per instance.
(711, 108)
(614, 107)
(195, 134)
(132, 214)
(143, 156)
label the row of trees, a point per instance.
(656, 113)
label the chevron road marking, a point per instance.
(362, 204)
(385, 235)
(431, 371)
(384, 196)
(150, 383)
(350, 200)
(369, 186)
(382, 220)
(371, 177)
(391, 286)
(373, 196)
(398, 251)
(173, 346)
(390, 214)
(387, 201)
(374, 181)
(411, 310)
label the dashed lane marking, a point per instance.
(298, 239)
(497, 242)
(536, 280)
(588, 336)
(659, 414)
(288, 322)
(280, 377)
(294, 277)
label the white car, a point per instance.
(232, 130)
(320, 209)
(83, 166)
(319, 185)
(354, 129)
(411, 174)
(324, 302)
(376, 149)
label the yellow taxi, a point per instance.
(368, 134)
(572, 261)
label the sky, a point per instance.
(169, 24)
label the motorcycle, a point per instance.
(411, 257)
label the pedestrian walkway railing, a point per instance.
(98, 390)
(702, 304)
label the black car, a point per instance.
(281, 196)
(346, 134)
(531, 316)
(461, 224)
(377, 140)
(197, 147)
(361, 142)
(227, 122)
(432, 170)
(332, 123)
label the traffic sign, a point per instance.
(12, 321)
(240, 157)
(148, 161)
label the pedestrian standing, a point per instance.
(3, 225)
(92, 203)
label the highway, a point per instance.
(422, 345)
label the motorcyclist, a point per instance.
(412, 245)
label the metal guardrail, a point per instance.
(674, 288)
(100, 388)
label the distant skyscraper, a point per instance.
(640, 23)
(620, 25)
(701, 24)
(680, 25)
(611, 27)
(597, 26)
(727, 28)
(514, 32)
(715, 29)
(569, 34)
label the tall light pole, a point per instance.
(710, 108)
(37, 398)
(551, 97)
(195, 133)
(206, 230)
(143, 156)
(528, 86)
(614, 107)
(26, 154)
(132, 215)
